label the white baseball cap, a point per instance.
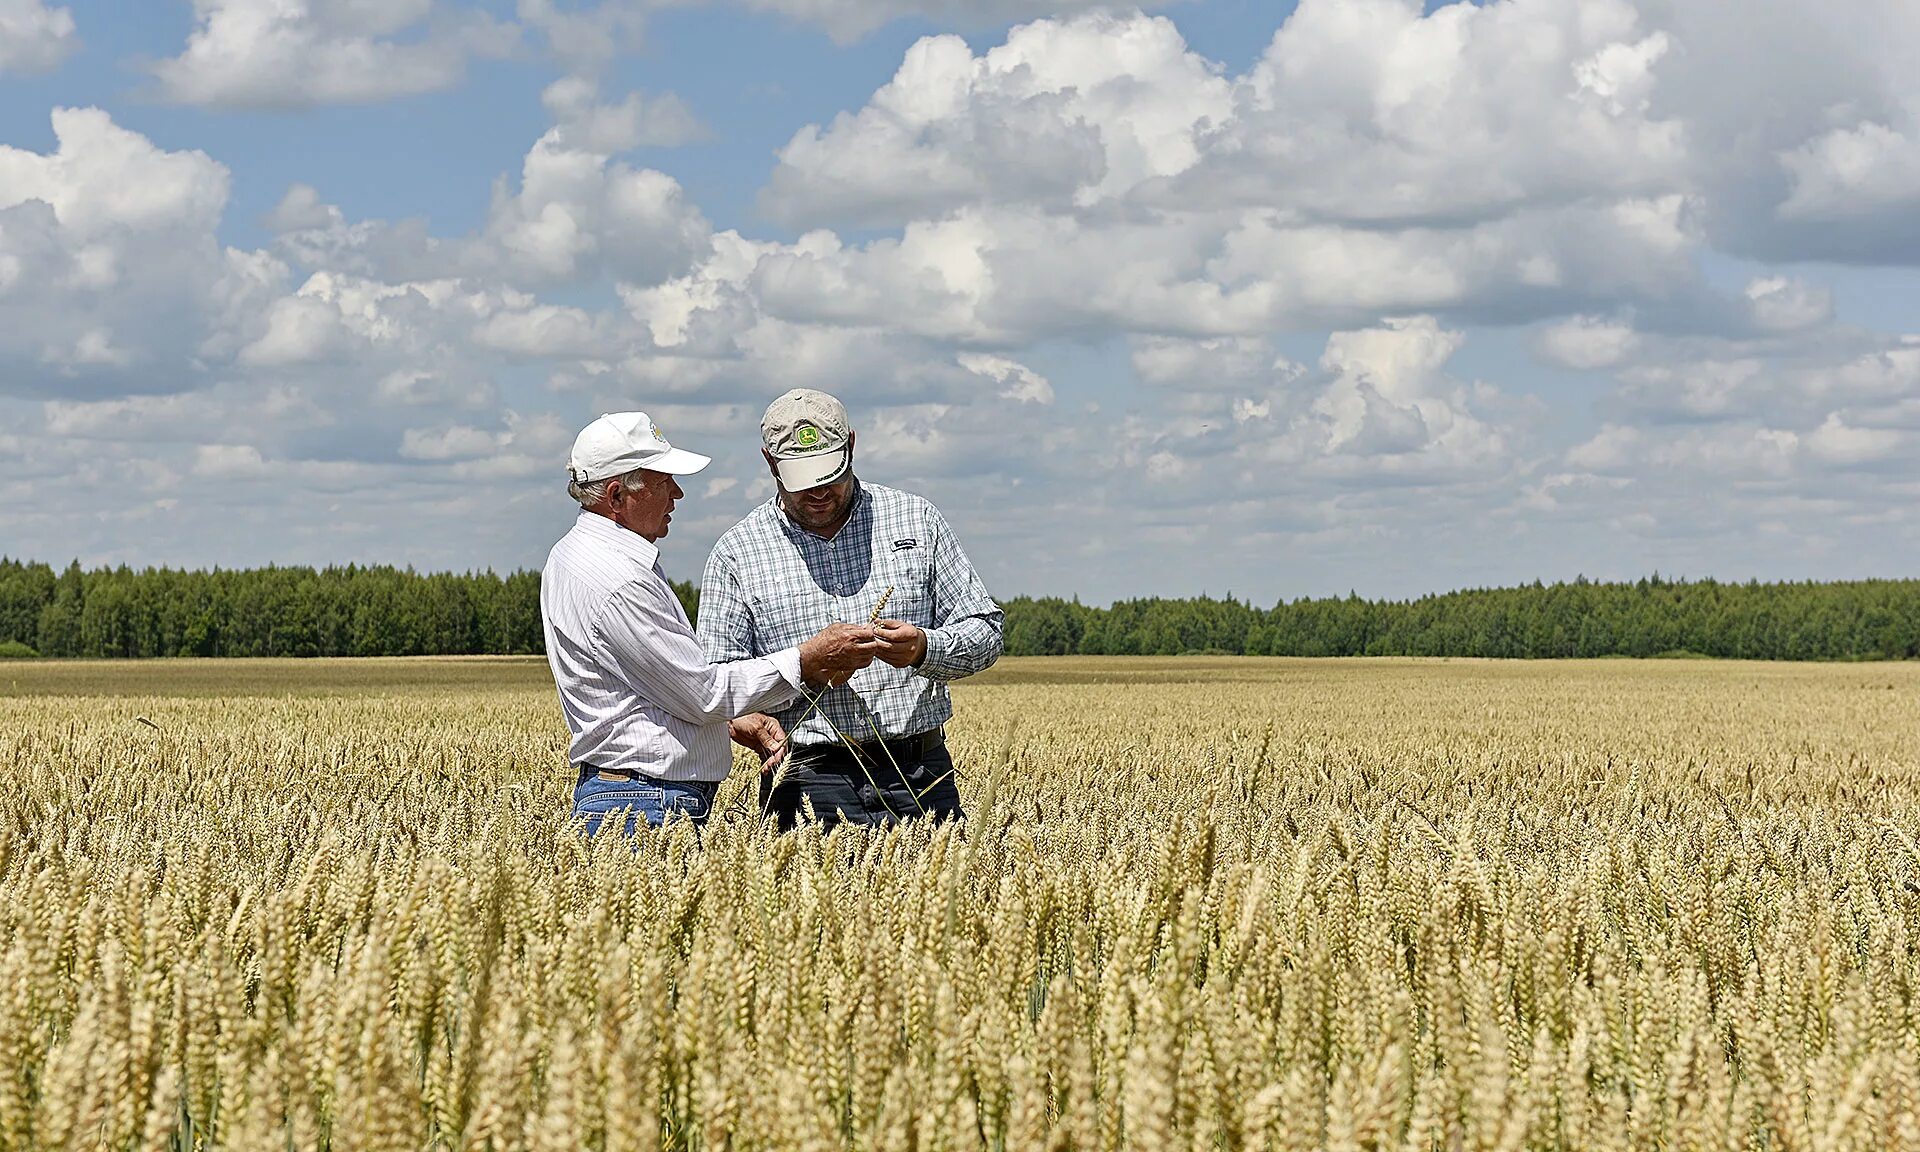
(806, 433)
(619, 442)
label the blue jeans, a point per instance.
(631, 801)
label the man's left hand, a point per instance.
(762, 735)
(905, 644)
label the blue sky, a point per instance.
(1368, 294)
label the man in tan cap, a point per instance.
(829, 548)
(648, 715)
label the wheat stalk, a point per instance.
(813, 705)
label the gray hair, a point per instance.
(594, 492)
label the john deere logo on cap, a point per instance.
(807, 436)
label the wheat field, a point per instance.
(1209, 903)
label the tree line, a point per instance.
(1849, 620)
(338, 611)
(384, 611)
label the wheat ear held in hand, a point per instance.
(880, 606)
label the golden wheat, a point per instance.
(1199, 904)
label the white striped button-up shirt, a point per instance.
(636, 689)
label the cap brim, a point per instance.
(799, 473)
(678, 462)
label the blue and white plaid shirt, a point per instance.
(771, 584)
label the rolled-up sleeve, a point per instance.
(968, 625)
(643, 636)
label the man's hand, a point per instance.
(836, 652)
(762, 735)
(903, 645)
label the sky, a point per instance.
(1222, 296)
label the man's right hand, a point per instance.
(836, 652)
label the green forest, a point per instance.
(381, 611)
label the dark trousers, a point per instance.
(873, 787)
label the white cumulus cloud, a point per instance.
(1856, 171)
(1018, 382)
(1781, 304)
(34, 37)
(586, 124)
(1064, 112)
(109, 255)
(1587, 342)
(578, 211)
(296, 53)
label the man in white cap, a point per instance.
(828, 547)
(649, 716)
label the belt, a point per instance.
(638, 776)
(881, 751)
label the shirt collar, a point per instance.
(600, 528)
(860, 502)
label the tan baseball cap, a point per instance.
(619, 442)
(806, 433)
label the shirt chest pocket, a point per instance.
(787, 611)
(912, 596)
